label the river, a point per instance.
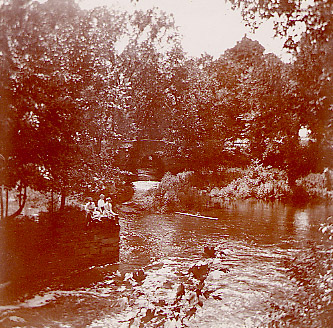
(246, 285)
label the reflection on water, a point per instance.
(156, 236)
(302, 224)
(253, 240)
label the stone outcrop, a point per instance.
(39, 253)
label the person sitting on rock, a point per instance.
(89, 209)
(109, 211)
(101, 203)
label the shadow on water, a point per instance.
(34, 255)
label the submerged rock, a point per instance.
(200, 272)
(209, 251)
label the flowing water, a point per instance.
(245, 283)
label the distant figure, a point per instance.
(101, 203)
(108, 209)
(89, 208)
(328, 178)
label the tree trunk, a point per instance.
(52, 201)
(20, 195)
(6, 212)
(1, 202)
(98, 145)
(62, 200)
(292, 182)
(21, 207)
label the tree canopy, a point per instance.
(77, 83)
(292, 19)
(67, 90)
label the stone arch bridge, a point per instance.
(147, 155)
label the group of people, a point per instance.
(102, 210)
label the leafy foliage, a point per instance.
(174, 192)
(65, 96)
(315, 187)
(256, 181)
(290, 17)
(304, 96)
(77, 84)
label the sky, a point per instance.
(207, 26)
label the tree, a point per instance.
(312, 73)
(292, 18)
(70, 95)
(52, 55)
(145, 59)
(259, 100)
(310, 78)
(198, 127)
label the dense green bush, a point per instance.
(174, 193)
(315, 186)
(221, 177)
(267, 183)
(256, 181)
(185, 191)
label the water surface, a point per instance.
(246, 281)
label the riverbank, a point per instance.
(34, 254)
(190, 191)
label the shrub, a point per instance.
(315, 186)
(264, 183)
(256, 181)
(174, 193)
(179, 192)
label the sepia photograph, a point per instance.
(166, 163)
